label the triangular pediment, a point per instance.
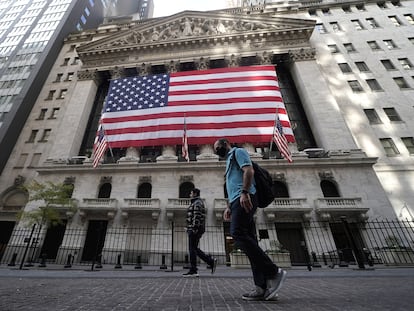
(193, 27)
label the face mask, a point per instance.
(221, 152)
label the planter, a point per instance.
(240, 260)
(397, 257)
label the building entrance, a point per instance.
(53, 240)
(6, 229)
(290, 235)
(95, 239)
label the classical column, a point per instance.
(321, 104)
(78, 106)
(132, 156)
(207, 154)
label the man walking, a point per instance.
(241, 190)
(196, 213)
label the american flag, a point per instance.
(184, 147)
(100, 146)
(237, 103)
(281, 142)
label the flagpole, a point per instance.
(109, 146)
(274, 127)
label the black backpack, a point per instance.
(264, 184)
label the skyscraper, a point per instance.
(31, 35)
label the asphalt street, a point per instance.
(80, 288)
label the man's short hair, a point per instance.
(196, 191)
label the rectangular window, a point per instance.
(409, 144)
(372, 116)
(374, 45)
(395, 21)
(45, 136)
(70, 76)
(362, 66)
(389, 147)
(409, 18)
(373, 85)
(312, 13)
(59, 77)
(326, 11)
(396, 3)
(346, 9)
(333, 48)
(335, 26)
(345, 68)
(392, 114)
(355, 86)
(388, 64)
(42, 114)
(402, 84)
(390, 44)
(349, 47)
(50, 95)
(360, 7)
(32, 136)
(405, 63)
(62, 94)
(411, 40)
(382, 5)
(320, 28)
(357, 24)
(54, 113)
(372, 23)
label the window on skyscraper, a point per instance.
(395, 21)
(355, 86)
(402, 84)
(362, 66)
(388, 64)
(405, 63)
(345, 68)
(390, 44)
(373, 85)
(372, 116)
(409, 144)
(389, 147)
(392, 114)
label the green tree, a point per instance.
(54, 198)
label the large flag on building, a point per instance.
(237, 103)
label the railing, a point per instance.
(143, 203)
(342, 203)
(388, 243)
(100, 203)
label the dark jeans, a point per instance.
(243, 231)
(194, 250)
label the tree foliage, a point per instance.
(53, 197)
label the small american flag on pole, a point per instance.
(184, 147)
(281, 141)
(100, 146)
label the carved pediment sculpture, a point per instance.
(195, 27)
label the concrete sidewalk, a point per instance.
(155, 289)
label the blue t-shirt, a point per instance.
(234, 173)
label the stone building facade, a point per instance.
(334, 173)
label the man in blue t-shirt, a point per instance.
(241, 190)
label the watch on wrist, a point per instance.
(245, 191)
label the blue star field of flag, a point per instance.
(135, 93)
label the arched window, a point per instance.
(280, 190)
(185, 189)
(105, 191)
(69, 190)
(329, 189)
(144, 190)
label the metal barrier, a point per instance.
(334, 244)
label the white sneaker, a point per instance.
(274, 285)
